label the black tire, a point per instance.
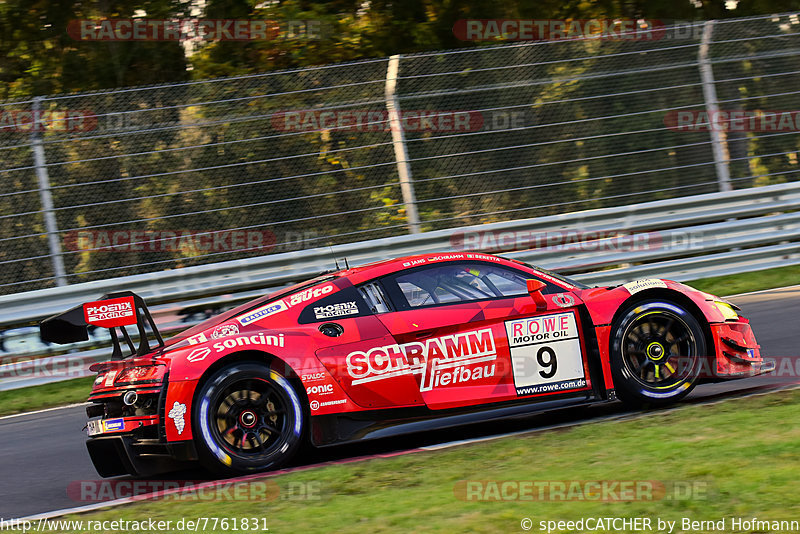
(247, 418)
(657, 349)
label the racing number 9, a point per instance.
(551, 361)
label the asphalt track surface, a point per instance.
(42, 453)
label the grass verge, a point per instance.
(44, 396)
(743, 283)
(740, 457)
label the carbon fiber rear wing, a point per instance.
(114, 311)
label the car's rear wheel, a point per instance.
(657, 348)
(248, 418)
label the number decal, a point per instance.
(546, 354)
(551, 362)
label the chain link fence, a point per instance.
(143, 179)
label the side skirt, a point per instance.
(337, 429)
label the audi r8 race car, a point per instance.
(392, 347)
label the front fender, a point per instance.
(605, 303)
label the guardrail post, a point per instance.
(719, 141)
(44, 194)
(400, 149)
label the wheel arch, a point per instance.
(670, 295)
(256, 356)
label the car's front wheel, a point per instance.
(657, 348)
(248, 418)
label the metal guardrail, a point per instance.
(136, 180)
(685, 238)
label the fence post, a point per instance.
(719, 142)
(44, 194)
(400, 149)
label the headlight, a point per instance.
(726, 310)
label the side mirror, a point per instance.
(535, 286)
(535, 291)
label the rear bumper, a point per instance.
(129, 454)
(132, 439)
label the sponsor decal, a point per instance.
(313, 377)
(284, 304)
(112, 425)
(324, 389)
(110, 313)
(414, 263)
(110, 377)
(563, 300)
(256, 339)
(545, 353)
(340, 309)
(224, 330)
(482, 257)
(197, 339)
(640, 285)
(316, 405)
(198, 355)
(176, 414)
(448, 257)
(308, 294)
(262, 312)
(270, 340)
(448, 358)
(553, 279)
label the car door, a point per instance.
(346, 331)
(471, 334)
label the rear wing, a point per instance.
(114, 311)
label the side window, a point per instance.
(508, 283)
(455, 282)
(375, 299)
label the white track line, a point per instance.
(259, 476)
(15, 415)
(762, 291)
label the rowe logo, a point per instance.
(110, 313)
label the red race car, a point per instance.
(393, 347)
